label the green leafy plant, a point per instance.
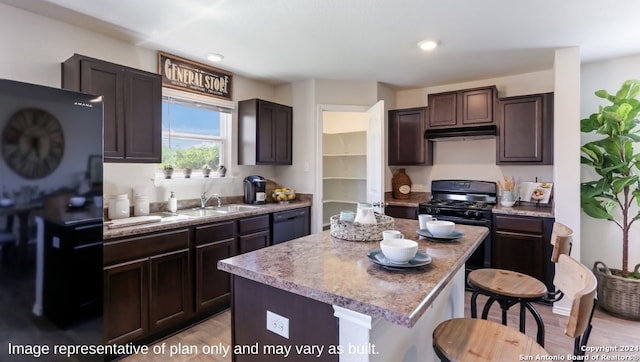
(193, 157)
(614, 160)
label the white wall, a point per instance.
(567, 141)
(475, 159)
(602, 240)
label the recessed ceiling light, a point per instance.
(428, 44)
(215, 57)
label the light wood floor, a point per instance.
(607, 331)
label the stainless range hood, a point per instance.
(461, 133)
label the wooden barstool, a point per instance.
(473, 339)
(509, 288)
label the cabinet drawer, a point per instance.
(253, 224)
(216, 232)
(144, 246)
(520, 224)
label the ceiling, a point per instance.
(282, 41)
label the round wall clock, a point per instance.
(33, 143)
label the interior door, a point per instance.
(375, 152)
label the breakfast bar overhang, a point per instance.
(336, 305)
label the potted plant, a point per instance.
(167, 170)
(187, 172)
(615, 196)
(206, 170)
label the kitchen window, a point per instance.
(195, 133)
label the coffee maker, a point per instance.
(254, 190)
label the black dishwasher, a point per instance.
(290, 224)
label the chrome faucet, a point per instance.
(204, 199)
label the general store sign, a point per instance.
(184, 74)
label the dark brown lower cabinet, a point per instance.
(126, 301)
(213, 287)
(157, 283)
(147, 285)
(171, 290)
(522, 244)
(254, 233)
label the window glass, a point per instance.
(192, 135)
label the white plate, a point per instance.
(453, 236)
(421, 259)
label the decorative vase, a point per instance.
(506, 199)
(401, 184)
(206, 172)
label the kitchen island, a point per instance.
(331, 299)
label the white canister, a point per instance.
(118, 206)
(141, 205)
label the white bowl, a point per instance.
(77, 201)
(399, 250)
(440, 228)
(507, 203)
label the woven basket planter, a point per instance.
(617, 295)
(354, 231)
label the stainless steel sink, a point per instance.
(215, 210)
(236, 208)
(169, 216)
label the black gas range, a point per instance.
(465, 202)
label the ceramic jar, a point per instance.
(401, 184)
(118, 206)
(141, 205)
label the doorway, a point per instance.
(350, 159)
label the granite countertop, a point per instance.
(338, 272)
(525, 209)
(414, 199)
(171, 222)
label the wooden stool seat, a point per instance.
(466, 339)
(508, 283)
(473, 339)
(509, 288)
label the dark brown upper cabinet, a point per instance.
(132, 106)
(265, 133)
(525, 127)
(463, 108)
(407, 145)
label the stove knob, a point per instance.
(477, 214)
(467, 213)
(437, 211)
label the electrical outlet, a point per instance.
(278, 324)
